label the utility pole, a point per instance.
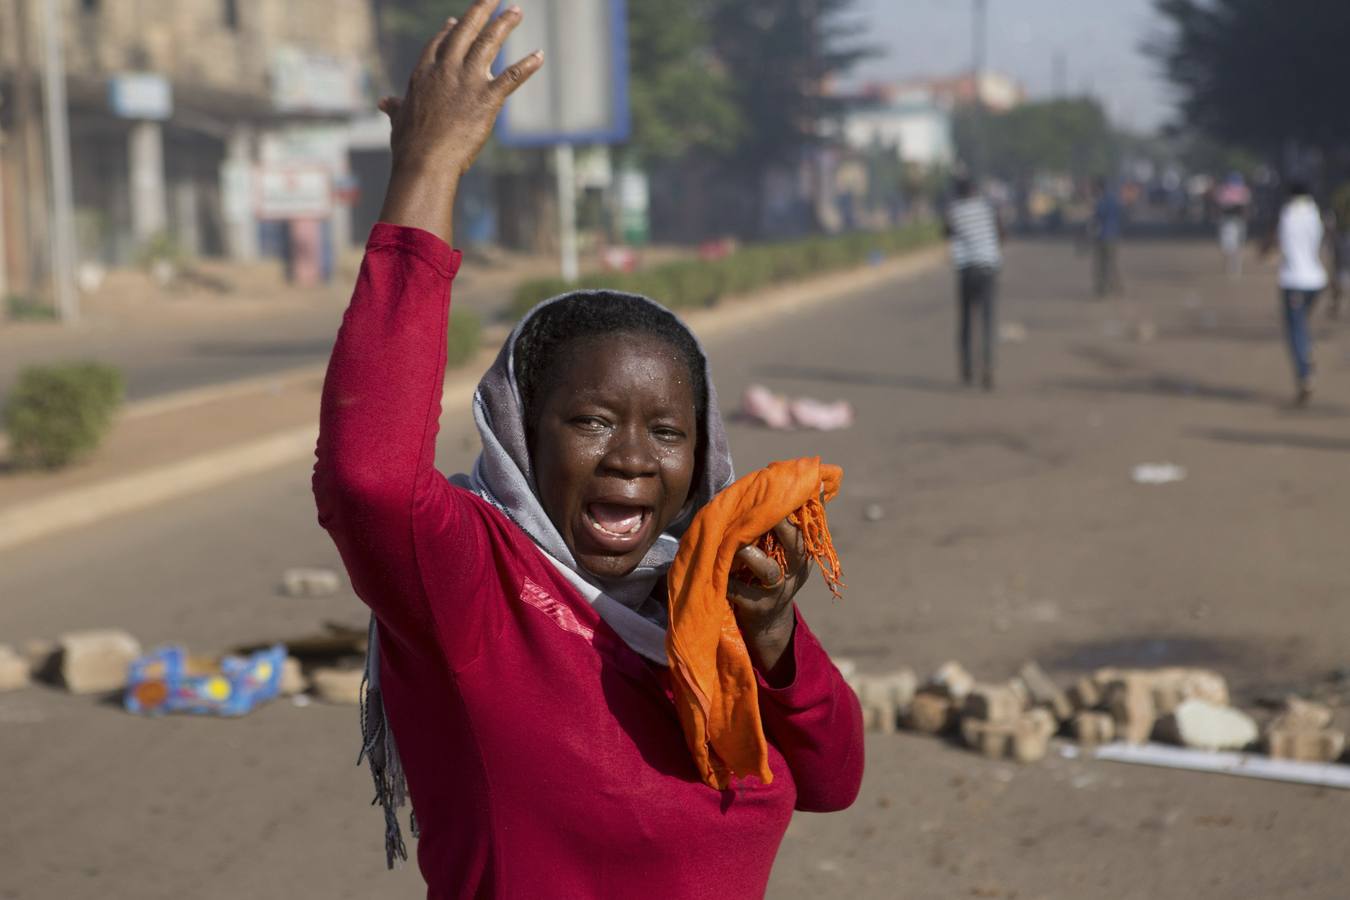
(978, 161)
(58, 150)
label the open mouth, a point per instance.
(617, 526)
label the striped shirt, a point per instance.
(974, 230)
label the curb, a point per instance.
(87, 505)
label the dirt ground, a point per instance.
(1011, 530)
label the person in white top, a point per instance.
(1302, 278)
(975, 232)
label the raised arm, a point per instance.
(375, 482)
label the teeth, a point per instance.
(637, 525)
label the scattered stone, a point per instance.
(992, 703)
(1173, 685)
(953, 680)
(1130, 701)
(310, 582)
(43, 658)
(874, 512)
(1093, 728)
(13, 669)
(1209, 726)
(1144, 331)
(1012, 332)
(991, 739)
(1322, 746)
(1031, 737)
(847, 667)
(1044, 692)
(1301, 715)
(96, 661)
(292, 678)
(1085, 694)
(931, 712)
(878, 705)
(342, 686)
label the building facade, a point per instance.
(206, 124)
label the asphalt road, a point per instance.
(1011, 529)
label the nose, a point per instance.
(630, 454)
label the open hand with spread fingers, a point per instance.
(447, 115)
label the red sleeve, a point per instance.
(375, 482)
(816, 723)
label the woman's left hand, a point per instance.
(764, 608)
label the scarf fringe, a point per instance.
(380, 753)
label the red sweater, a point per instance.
(543, 756)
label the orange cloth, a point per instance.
(713, 678)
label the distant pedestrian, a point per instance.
(1105, 227)
(975, 233)
(1233, 199)
(1302, 278)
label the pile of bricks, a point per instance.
(1017, 718)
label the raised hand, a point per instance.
(764, 609)
(447, 114)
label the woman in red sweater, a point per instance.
(518, 635)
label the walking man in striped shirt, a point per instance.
(975, 233)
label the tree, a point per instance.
(781, 55)
(680, 96)
(1069, 137)
(680, 99)
(1257, 72)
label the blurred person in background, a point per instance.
(1338, 221)
(1104, 232)
(1299, 233)
(1233, 198)
(975, 232)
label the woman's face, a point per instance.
(614, 447)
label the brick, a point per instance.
(877, 699)
(340, 686)
(991, 739)
(953, 680)
(1092, 728)
(293, 679)
(930, 712)
(1130, 701)
(992, 703)
(1301, 715)
(310, 582)
(1322, 746)
(1085, 694)
(13, 669)
(1044, 692)
(96, 661)
(1031, 737)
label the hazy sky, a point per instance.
(1100, 40)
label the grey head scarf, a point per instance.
(503, 476)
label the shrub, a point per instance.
(22, 308)
(57, 414)
(463, 337)
(693, 282)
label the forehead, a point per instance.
(622, 362)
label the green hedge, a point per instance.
(463, 337)
(57, 414)
(22, 308)
(694, 282)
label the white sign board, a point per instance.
(294, 193)
(580, 96)
(140, 95)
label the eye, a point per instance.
(668, 434)
(590, 424)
